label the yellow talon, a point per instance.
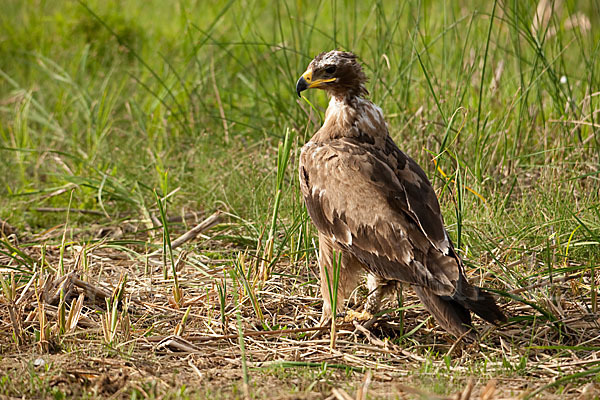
(359, 316)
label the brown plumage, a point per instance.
(375, 205)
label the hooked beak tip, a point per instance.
(301, 85)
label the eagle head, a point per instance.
(337, 72)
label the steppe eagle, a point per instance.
(374, 204)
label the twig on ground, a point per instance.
(91, 290)
(385, 345)
(340, 394)
(195, 231)
(545, 282)
(361, 393)
(177, 343)
(247, 333)
(65, 209)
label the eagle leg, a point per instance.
(375, 294)
(350, 273)
(378, 289)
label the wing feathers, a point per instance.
(451, 316)
(366, 207)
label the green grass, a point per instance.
(118, 108)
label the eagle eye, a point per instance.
(330, 69)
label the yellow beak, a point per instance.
(306, 82)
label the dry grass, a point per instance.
(106, 114)
(155, 348)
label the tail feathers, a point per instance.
(482, 304)
(449, 314)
